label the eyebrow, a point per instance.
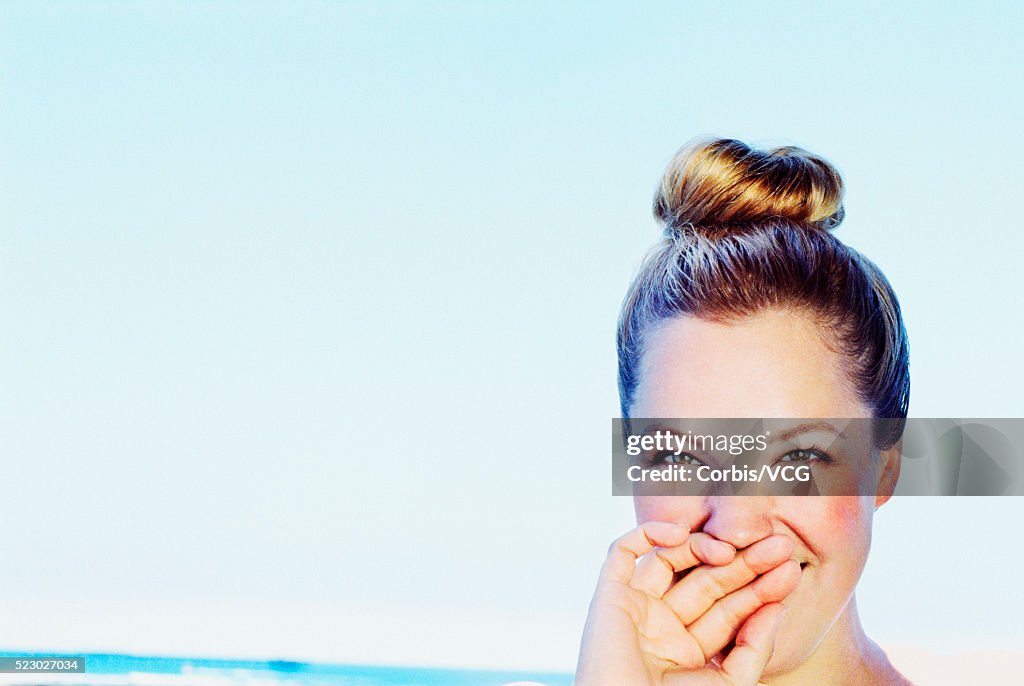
(654, 426)
(807, 427)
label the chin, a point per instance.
(786, 657)
(801, 632)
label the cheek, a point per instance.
(836, 528)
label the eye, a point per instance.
(805, 455)
(670, 458)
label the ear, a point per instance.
(889, 473)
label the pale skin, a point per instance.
(766, 594)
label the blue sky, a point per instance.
(272, 272)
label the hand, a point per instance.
(644, 629)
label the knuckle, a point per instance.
(708, 591)
(759, 593)
(619, 544)
(717, 585)
(733, 614)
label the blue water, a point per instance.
(287, 673)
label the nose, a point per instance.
(739, 520)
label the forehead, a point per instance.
(773, 364)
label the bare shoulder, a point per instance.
(890, 674)
(921, 667)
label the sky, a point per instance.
(310, 306)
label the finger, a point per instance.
(620, 564)
(722, 622)
(754, 645)
(697, 591)
(657, 569)
(705, 548)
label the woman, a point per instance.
(750, 307)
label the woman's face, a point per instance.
(775, 364)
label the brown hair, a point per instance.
(747, 230)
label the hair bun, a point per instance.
(719, 182)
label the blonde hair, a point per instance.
(747, 230)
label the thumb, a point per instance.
(754, 645)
